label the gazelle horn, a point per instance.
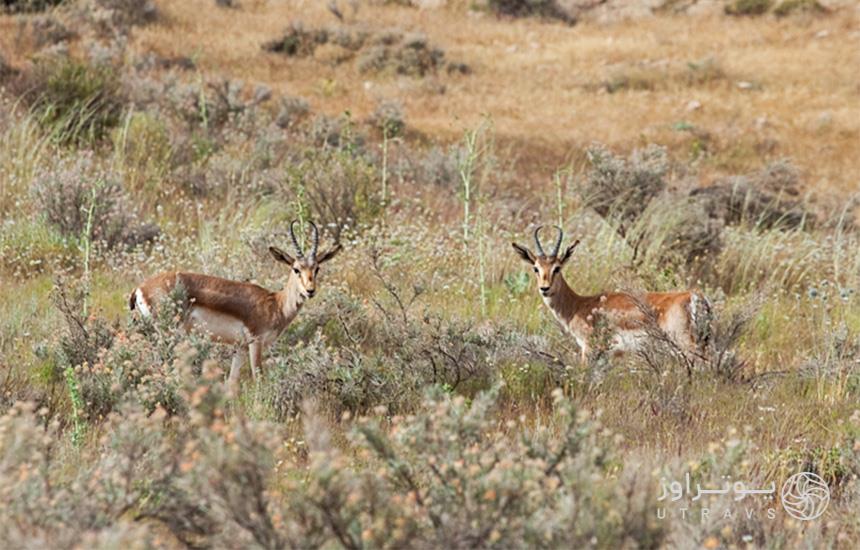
(316, 240)
(558, 242)
(295, 240)
(537, 241)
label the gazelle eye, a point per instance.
(296, 271)
(536, 269)
(556, 269)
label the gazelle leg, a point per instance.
(235, 369)
(256, 351)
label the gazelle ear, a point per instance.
(281, 256)
(569, 252)
(329, 254)
(524, 253)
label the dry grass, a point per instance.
(534, 79)
(544, 87)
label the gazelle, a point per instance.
(678, 314)
(243, 314)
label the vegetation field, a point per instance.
(426, 397)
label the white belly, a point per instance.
(218, 326)
(627, 341)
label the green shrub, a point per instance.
(143, 147)
(79, 103)
(337, 185)
(787, 7)
(748, 7)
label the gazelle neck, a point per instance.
(563, 301)
(291, 298)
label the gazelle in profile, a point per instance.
(677, 314)
(242, 314)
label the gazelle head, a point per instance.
(305, 267)
(547, 267)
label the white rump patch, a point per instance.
(694, 305)
(142, 306)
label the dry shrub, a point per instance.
(27, 6)
(662, 228)
(77, 195)
(122, 489)
(387, 118)
(550, 9)
(766, 199)
(623, 188)
(718, 333)
(675, 228)
(291, 111)
(338, 186)
(84, 337)
(388, 51)
(409, 55)
(48, 30)
(113, 366)
(449, 477)
(6, 70)
(356, 357)
(127, 13)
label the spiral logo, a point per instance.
(805, 496)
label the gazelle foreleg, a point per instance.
(236, 368)
(255, 350)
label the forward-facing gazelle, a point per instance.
(678, 314)
(243, 314)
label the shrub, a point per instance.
(298, 41)
(394, 53)
(79, 102)
(337, 185)
(524, 8)
(24, 6)
(6, 70)
(767, 198)
(387, 51)
(292, 110)
(388, 119)
(748, 7)
(450, 477)
(788, 7)
(111, 367)
(624, 188)
(49, 30)
(126, 13)
(78, 195)
(84, 337)
(144, 147)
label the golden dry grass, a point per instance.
(540, 82)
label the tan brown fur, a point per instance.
(259, 309)
(628, 315)
(238, 313)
